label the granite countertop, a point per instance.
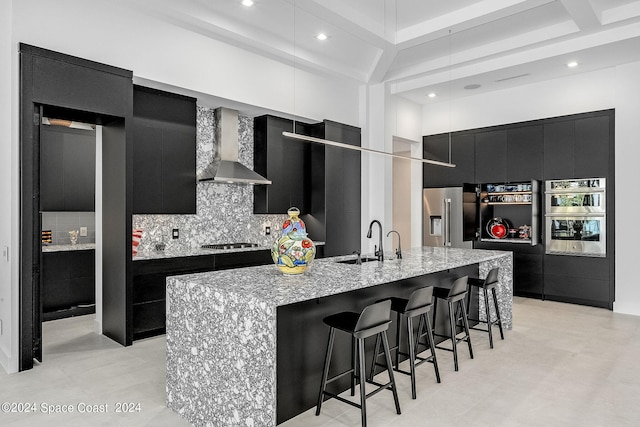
(327, 276)
(177, 253)
(69, 247)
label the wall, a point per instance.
(61, 222)
(119, 33)
(611, 88)
(8, 192)
(224, 212)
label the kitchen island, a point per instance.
(245, 346)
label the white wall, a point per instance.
(617, 88)
(114, 33)
(627, 176)
(8, 185)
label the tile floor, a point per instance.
(561, 365)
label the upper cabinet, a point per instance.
(67, 169)
(491, 156)
(164, 152)
(282, 160)
(437, 147)
(579, 146)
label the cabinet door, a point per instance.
(80, 173)
(178, 170)
(282, 160)
(164, 153)
(491, 156)
(67, 168)
(524, 156)
(591, 147)
(462, 155)
(51, 169)
(147, 167)
(558, 149)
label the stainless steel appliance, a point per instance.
(443, 216)
(575, 219)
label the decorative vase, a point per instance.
(294, 251)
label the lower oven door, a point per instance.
(576, 235)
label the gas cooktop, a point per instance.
(229, 246)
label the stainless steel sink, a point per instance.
(354, 261)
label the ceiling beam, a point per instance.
(582, 13)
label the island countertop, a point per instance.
(222, 326)
(329, 276)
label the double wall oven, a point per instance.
(575, 217)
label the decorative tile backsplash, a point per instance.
(60, 223)
(224, 212)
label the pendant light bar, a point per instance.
(366, 150)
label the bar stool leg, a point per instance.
(398, 341)
(412, 356)
(424, 320)
(488, 314)
(363, 393)
(376, 354)
(325, 370)
(465, 321)
(452, 327)
(385, 343)
(354, 354)
(495, 304)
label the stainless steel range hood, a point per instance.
(227, 169)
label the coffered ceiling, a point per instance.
(423, 46)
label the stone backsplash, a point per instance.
(224, 212)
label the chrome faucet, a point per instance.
(378, 252)
(357, 253)
(399, 250)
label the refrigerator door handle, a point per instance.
(447, 222)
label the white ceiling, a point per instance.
(423, 46)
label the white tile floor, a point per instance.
(561, 365)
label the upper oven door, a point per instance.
(576, 235)
(582, 202)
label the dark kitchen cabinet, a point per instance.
(524, 156)
(436, 147)
(574, 146)
(149, 283)
(164, 152)
(282, 160)
(579, 147)
(68, 283)
(335, 188)
(491, 156)
(585, 280)
(67, 169)
(591, 149)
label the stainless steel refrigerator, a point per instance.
(449, 216)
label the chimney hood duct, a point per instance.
(227, 169)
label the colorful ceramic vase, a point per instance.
(294, 251)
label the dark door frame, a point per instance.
(76, 89)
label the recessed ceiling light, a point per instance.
(572, 64)
(322, 36)
(472, 86)
(247, 3)
(431, 95)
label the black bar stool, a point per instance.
(455, 300)
(374, 320)
(487, 284)
(418, 305)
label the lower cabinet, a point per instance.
(149, 283)
(68, 284)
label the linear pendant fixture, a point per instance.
(366, 150)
